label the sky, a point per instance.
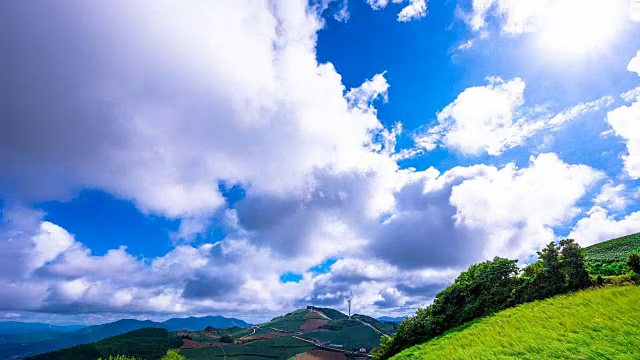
(246, 158)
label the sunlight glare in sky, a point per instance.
(579, 26)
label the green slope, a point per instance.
(593, 324)
(150, 343)
(613, 250)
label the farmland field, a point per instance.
(354, 337)
(281, 348)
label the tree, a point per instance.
(384, 348)
(209, 328)
(552, 277)
(572, 260)
(633, 261)
(173, 354)
(226, 339)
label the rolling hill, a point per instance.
(320, 333)
(16, 327)
(608, 258)
(148, 344)
(317, 332)
(16, 345)
(614, 249)
(600, 323)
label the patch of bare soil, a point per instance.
(191, 344)
(269, 335)
(313, 324)
(318, 354)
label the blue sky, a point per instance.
(247, 158)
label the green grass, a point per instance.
(148, 343)
(354, 337)
(593, 324)
(613, 250)
(280, 348)
(289, 322)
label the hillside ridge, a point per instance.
(595, 323)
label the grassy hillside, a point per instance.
(144, 344)
(280, 348)
(18, 340)
(593, 324)
(613, 250)
(279, 338)
(608, 258)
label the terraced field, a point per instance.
(301, 332)
(279, 348)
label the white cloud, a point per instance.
(201, 99)
(520, 207)
(625, 122)
(600, 226)
(634, 64)
(612, 197)
(492, 119)
(580, 110)
(377, 4)
(414, 10)
(631, 95)
(205, 98)
(417, 9)
(521, 16)
(481, 119)
(471, 214)
(437, 225)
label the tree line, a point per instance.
(493, 286)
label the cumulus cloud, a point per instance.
(613, 197)
(160, 115)
(518, 17)
(471, 214)
(492, 119)
(394, 252)
(634, 64)
(154, 114)
(625, 122)
(415, 9)
(480, 119)
(600, 225)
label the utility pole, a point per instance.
(349, 307)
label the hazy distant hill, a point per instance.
(199, 323)
(148, 343)
(391, 319)
(318, 333)
(39, 339)
(14, 327)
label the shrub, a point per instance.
(173, 354)
(226, 339)
(633, 262)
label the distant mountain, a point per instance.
(199, 323)
(16, 327)
(39, 339)
(391, 319)
(314, 331)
